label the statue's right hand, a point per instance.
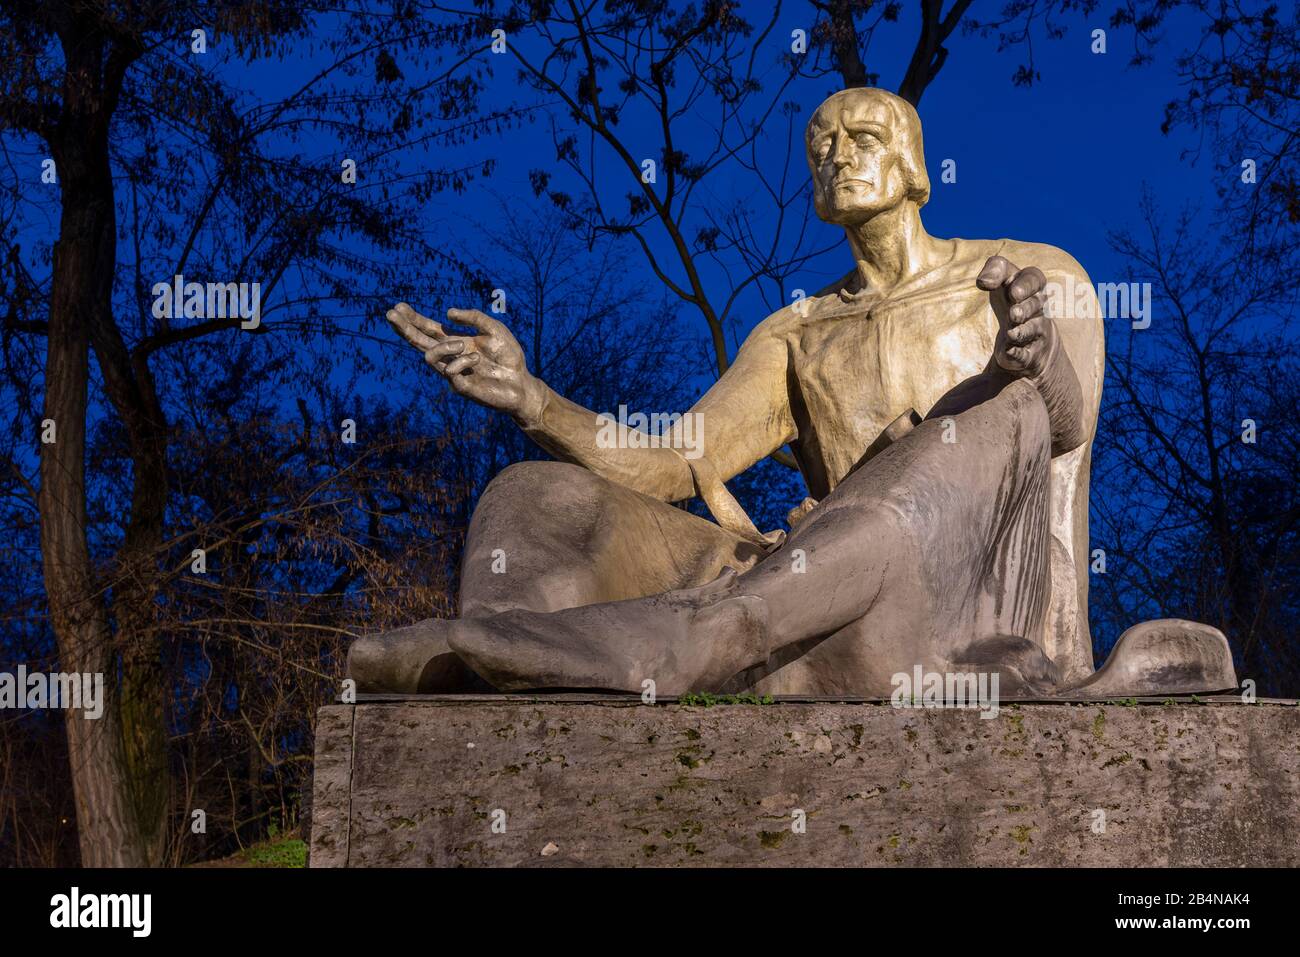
(488, 367)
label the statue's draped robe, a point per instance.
(828, 375)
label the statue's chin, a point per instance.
(854, 212)
(850, 217)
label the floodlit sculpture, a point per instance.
(942, 418)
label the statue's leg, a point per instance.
(550, 535)
(951, 529)
(547, 536)
(939, 540)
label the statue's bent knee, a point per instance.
(528, 544)
(533, 503)
(541, 485)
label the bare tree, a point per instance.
(709, 77)
(1196, 464)
(117, 96)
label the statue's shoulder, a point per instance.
(775, 327)
(1050, 259)
(789, 320)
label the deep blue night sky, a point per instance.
(1062, 162)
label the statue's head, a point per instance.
(864, 149)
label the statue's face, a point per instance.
(855, 144)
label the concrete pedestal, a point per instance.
(581, 780)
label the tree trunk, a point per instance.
(106, 824)
(844, 45)
(116, 773)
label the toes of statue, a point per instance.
(412, 660)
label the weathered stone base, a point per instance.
(588, 781)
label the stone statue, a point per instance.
(942, 420)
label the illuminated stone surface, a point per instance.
(615, 782)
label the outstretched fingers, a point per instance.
(475, 320)
(442, 351)
(418, 330)
(459, 364)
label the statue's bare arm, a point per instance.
(745, 415)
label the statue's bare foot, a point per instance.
(412, 660)
(1162, 657)
(682, 641)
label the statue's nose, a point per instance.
(842, 152)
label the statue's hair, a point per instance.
(907, 125)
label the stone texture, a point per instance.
(331, 785)
(615, 782)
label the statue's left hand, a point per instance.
(1026, 335)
